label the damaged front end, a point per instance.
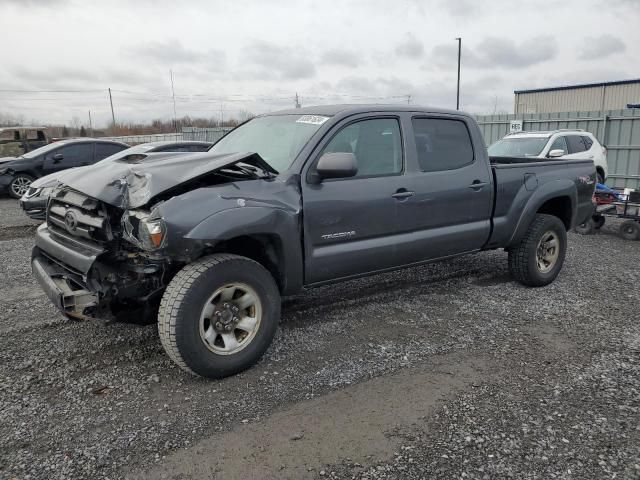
(112, 253)
(93, 260)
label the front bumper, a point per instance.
(35, 207)
(61, 266)
(66, 290)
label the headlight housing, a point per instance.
(46, 191)
(4, 170)
(143, 229)
(40, 192)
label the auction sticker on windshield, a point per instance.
(312, 119)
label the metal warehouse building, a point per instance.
(574, 98)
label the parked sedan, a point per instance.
(34, 201)
(17, 175)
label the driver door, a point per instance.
(68, 156)
(350, 223)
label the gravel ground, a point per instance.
(13, 222)
(530, 383)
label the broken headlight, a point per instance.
(44, 192)
(143, 229)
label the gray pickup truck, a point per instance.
(209, 242)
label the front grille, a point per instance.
(74, 213)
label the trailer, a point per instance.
(612, 203)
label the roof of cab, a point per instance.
(352, 109)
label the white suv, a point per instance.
(554, 144)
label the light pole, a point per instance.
(458, 89)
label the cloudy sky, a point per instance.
(60, 56)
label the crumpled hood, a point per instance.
(131, 184)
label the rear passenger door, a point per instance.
(450, 209)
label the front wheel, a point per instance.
(20, 185)
(537, 260)
(219, 315)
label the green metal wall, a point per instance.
(618, 130)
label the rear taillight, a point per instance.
(604, 151)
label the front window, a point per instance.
(376, 144)
(276, 138)
(41, 150)
(518, 147)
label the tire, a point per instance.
(527, 263)
(598, 221)
(630, 230)
(586, 228)
(193, 340)
(600, 177)
(19, 185)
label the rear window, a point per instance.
(442, 144)
(587, 142)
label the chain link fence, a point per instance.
(212, 134)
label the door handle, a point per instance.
(402, 193)
(477, 185)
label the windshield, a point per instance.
(518, 147)
(276, 138)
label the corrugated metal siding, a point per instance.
(585, 99)
(618, 130)
(618, 96)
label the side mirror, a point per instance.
(336, 165)
(556, 153)
(57, 157)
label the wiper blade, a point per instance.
(249, 170)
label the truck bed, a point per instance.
(521, 185)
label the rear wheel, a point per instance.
(20, 185)
(537, 260)
(219, 315)
(600, 177)
(630, 230)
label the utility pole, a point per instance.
(173, 94)
(459, 55)
(221, 115)
(408, 99)
(90, 125)
(297, 104)
(113, 116)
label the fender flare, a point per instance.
(278, 223)
(548, 191)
